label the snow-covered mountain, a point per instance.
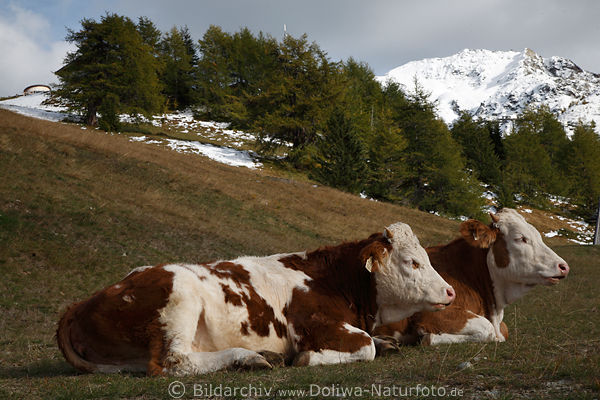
(500, 84)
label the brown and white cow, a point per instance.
(316, 307)
(490, 267)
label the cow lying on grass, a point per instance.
(315, 308)
(489, 267)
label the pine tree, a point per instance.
(213, 72)
(535, 154)
(111, 59)
(529, 169)
(386, 162)
(385, 140)
(178, 74)
(297, 101)
(583, 160)
(477, 148)
(363, 94)
(253, 69)
(341, 159)
(150, 34)
(495, 134)
(190, 46)
(436, 178)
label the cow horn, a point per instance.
(388, 234)
(495, 218)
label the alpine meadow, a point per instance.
(343, 155)
(330, 120)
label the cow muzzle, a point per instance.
(563, 271)
(450, 296)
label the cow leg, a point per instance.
(476, 329)
(333, 344)
(197, 363)
(179, 327)
(385, 345)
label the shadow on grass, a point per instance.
(40, 369)
(48, 369)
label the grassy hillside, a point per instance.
(79, 209)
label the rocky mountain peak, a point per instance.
(501, 84)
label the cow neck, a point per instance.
(338, 274)
(466, 264)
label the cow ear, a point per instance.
(373, 256)
(477, 234)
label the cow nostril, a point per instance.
(450, 292)
(564, 268)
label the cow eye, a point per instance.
(522, 239)
(415, 264)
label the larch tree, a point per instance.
(112, 69)
(583, 169)
(178, 73)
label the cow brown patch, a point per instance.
(341, 290)
(377, 252)
(244, 328)
(106, 329)
(229, 270)
(231, 296)
(260, 314)
(477, 234)
(501, 252)
(504, 330)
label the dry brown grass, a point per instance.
(331, 215)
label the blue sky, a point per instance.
(384, 33)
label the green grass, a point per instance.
(79, 209)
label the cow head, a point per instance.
(405, 280)
(519, 255)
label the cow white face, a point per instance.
(405, 280)
(519, 255)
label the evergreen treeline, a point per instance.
(534, 160)
(331, 119)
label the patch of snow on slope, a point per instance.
(224, 155)
(216, 131)
(31, 106)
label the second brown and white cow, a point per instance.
(316, 307)
(490, 267)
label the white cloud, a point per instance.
(28, 56)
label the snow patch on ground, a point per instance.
(184, 122)
(224, 155)
(581, 232)
(489, 195)
(32, 106)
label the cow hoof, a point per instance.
(385, 345)
(384, 348)
(255, 361)
(275, 359)
(426, 339)
(302, 359)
